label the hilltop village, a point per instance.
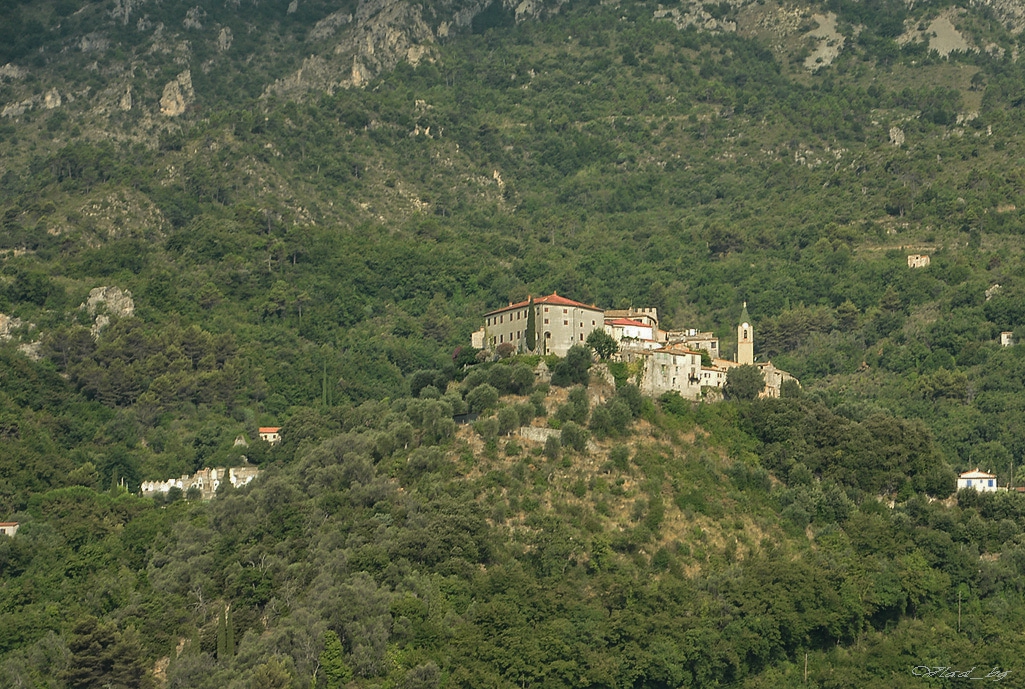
(685, 361)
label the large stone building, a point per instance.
(559, 323)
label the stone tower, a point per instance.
(745, 339)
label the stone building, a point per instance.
(918, 260)
(207, 481)
(674, 367)
(559, 323)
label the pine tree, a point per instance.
(332, 659)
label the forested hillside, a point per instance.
(301, 211)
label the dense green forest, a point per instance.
(305, 252)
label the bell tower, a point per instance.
(745, 339)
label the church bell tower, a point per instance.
(745, 339)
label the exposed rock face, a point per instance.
(16, 109)
(694, 14)
(115, 301)
(52, 99)
(126, 100)
(10, 71)
(122, 10)
(829, 42)
(93, 42)
(194, 17)
(8, 325)
(178, 95)
(224, 39)
(327, 26)
(1011, 13)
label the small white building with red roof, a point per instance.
(8, 528)
(977, 480)
(270, 434)
(629, 329)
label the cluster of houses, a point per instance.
(208, 480)
(671, 360)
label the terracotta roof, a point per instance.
(552, 299)
(976, 474)
(270, 429)
(8, 523)
(626, 321)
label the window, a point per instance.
(581, 337)
(565, 322)
(991, 483)
(592, 322)
(969, 484)
(565, 310)
(546, 320)
(501, 338)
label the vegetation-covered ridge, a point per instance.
(317, 257)
(403, 550)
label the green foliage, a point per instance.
(603, 344)
(743, 383)
(332, 659)
(573, 369)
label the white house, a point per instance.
(8, 528)
(977, 480)
(628, 329)
(1006, 338)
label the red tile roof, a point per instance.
(976, 474)
(626, 321)
(552, 299)
(270, 429)
(8, 523)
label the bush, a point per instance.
(574, 436)
(620, 457)
(553, 448)
(482, 398)
(486, 428)
(508, 420)
(573, 370)
(576, 408)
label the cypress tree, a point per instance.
(229, 642)
(531, 326)
(222, 638)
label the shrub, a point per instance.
(574, 436)
(481, 398)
